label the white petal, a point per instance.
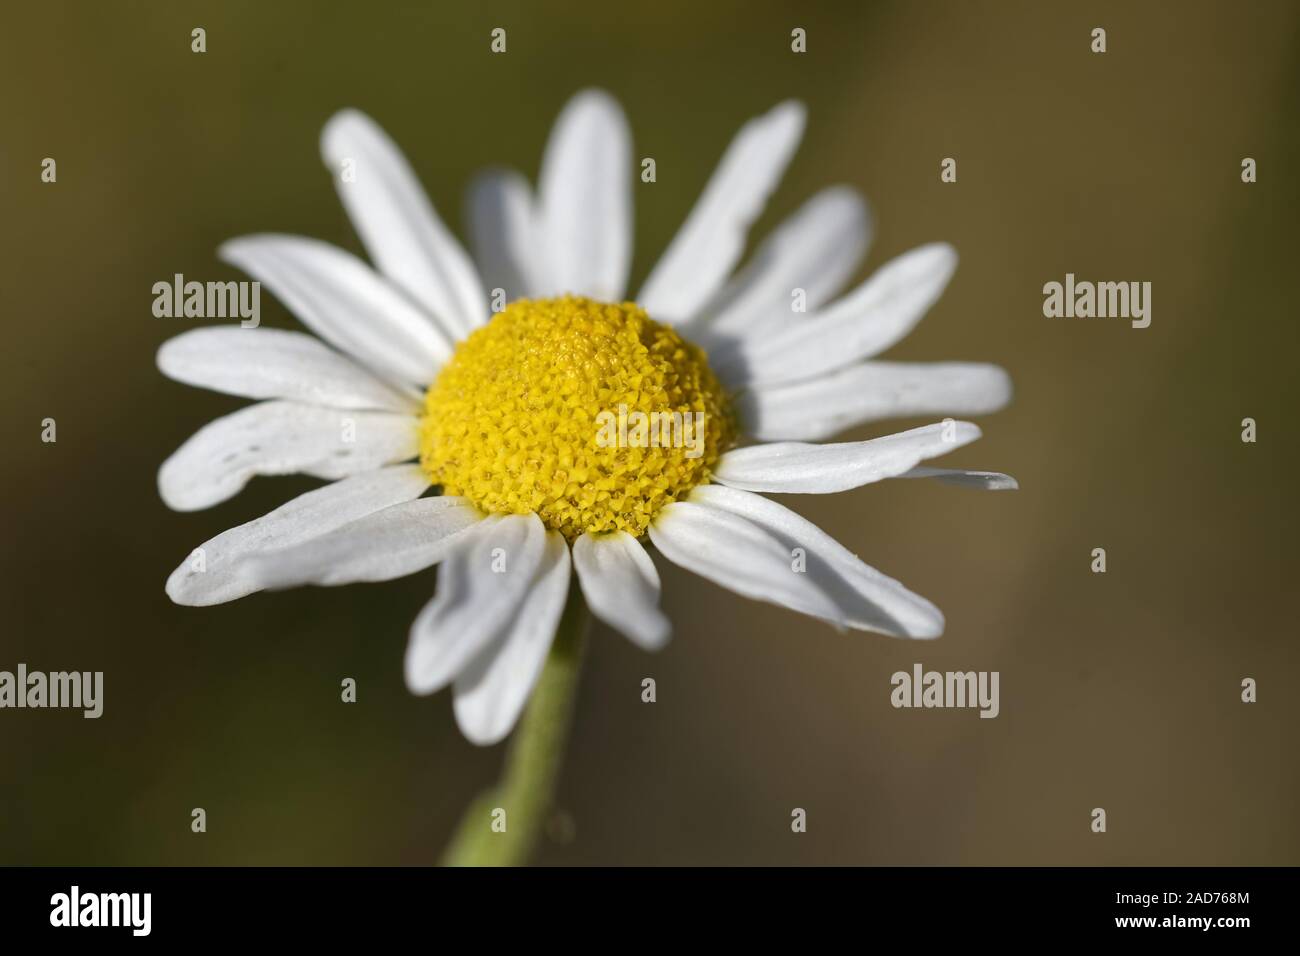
(867, 392)
(390, 543)
(492, 690)
(621, 586)
(272, 363)
(281, 438)
(711, 241)
(475, 601)
(868, 599)
(738, 555)
(503, 230)
(800, 468)
(981, 480)
(211, 573)
(586, 199)
(345, 302)
(403, 235)
(816, 250)
(865, 322)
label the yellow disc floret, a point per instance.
(590, 414)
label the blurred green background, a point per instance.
(1118, 690)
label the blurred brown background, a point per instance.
(1118, 690)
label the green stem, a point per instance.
(532, 768)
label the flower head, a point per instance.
(517, 421)
(574, 429)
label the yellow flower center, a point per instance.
(591, 414)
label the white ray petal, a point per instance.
(737, 554)
(272, 363)
(345, 302)
(867, 599)
(281, 438)
(980, 480)
(801, 468)
(491, 692)
(503, 230)
(390, 543)
(585, 194)
(480, 588)
(870, 391)
(211, 573)
(816, 250)
(621, 585)
(398, 225)
(712, 239)
(868, 320)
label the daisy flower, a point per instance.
(456, 404)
